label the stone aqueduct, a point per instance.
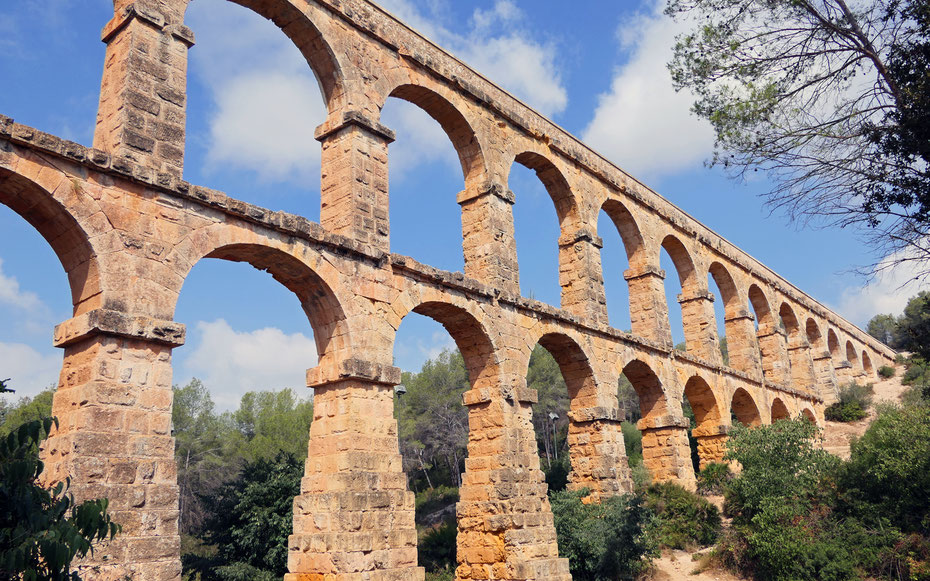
(127, 230)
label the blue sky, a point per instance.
(595, 67)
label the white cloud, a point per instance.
(265, 121)
(497, 47)
(12, 295)
(268, 103)
(439, 342)
(420, 139)
(231, 362)
(29, 371)
(888, 293)
(641, 123)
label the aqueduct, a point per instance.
(127, 230)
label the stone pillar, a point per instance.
(353, 519)
(354, 179)
(488, 237)
(505, 525)
(742, 344)
(598, 453)
(826, 377)
(711, 443)
(774, 354)
(581, 276)
(648, 309)
(113, 440)
(666, 451)
(144, 89)
(802, 365)
(844, 372)
(697, 314)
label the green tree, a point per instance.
(268, 422)
(550, 417)
(432, 422)
(25, 410)
(250, 520)
(884, 328)
(42, 531)
(828, 97)
(914, 326)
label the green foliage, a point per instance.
(888, 474)
(556, 474)
(545, 376)
(854, 400)
(886, 371)
(629, 400)
(914, 326)
(431, 500)
(779, 461)
(26, 410)
(724, 351)
(685, 520)
(713, 478)
(603, 541)
(433, 423)
(884, 328)
(633, 442)
(42, 531)
(436, 548)
(249, 521)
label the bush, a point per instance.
(713, 478)
(42, 531)
(684, 519)
(854, 400)
(436, 548)
(917, 372)
(888, 473)
(886, 371)
(603, 541)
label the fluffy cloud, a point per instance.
(267, 101)
(887, 293)
(642, 124)
(232, 362)
(12, 295)
(29, 370)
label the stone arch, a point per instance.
(574, 366)
(708, 431)
(833, 344)
(652, 401)
(867, 364)
(779, 410)
(629, 231)
(314, 286)
(792, 326)
(471, 338)
(299, 26)
(731, 301)
(760, 304)
(683, 263)
(456, 126)
(814, 336)
(852, 356)
(743, 407)
(46, 207)
(556, 185)
(809, 415)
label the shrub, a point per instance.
(684, 518)
(713, 478)
(42, 531)
(886, 371)
(436, 548)
(888, 474)
(854, 400)
(917, 372)
(603, 541)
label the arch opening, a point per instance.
(538, 185)
(617, 228)
(706, 439)
(779, 410)
(254, 100)
(743, 409)
(814, 336)
(852, 356)
(435, 157)
(720, 283)
(867, 364)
